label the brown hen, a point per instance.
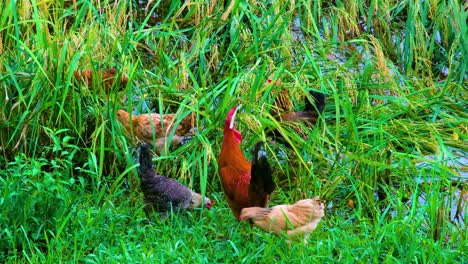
(158, 128)
(107, 78)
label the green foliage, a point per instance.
(37, 200)
(394, 73)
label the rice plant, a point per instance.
(387, 155)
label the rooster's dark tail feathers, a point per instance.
(261, 173)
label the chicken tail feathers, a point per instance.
(261, 173)
(319, 102)
(255, 213)
(145, 159)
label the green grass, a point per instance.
(395, 77)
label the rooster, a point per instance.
(162, 194)
(157, 127)
(244, 184)
(297, 220)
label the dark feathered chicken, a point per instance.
(311, 111)
(308, 115)
(163, 194)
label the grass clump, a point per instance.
(387, 156)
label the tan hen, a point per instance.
(297, 220)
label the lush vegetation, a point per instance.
(395, 76)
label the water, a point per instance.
(455, 195)
(456, 160)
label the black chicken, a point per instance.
(162, 194)
(308, 116)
